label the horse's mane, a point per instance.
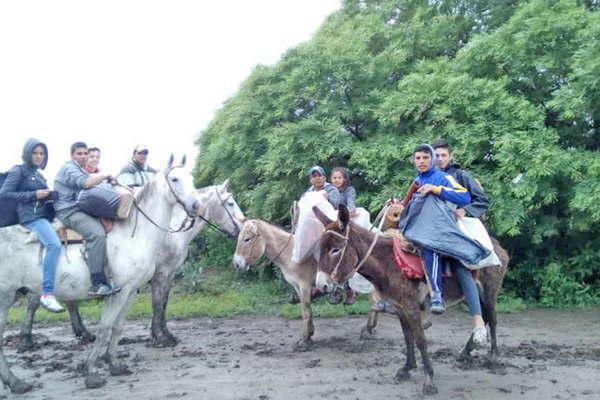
(146, 190)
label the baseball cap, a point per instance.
(317, 169)
(140, 147)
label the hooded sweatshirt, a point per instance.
(22, 182)
(446, 187)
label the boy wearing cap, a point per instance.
(137, 172)
(319, 183)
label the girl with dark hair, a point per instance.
(26, 185)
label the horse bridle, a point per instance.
(257, 234)
(189, 217)
(232, 219)
(346, 238)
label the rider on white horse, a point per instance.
(70, 180)
(26, 185)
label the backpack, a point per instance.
(100, 201)
(8, 208)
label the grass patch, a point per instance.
(510, 304)
(225, 292)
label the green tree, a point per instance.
(512, 85)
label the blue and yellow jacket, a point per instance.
(447, 188)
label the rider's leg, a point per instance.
(467, 284)
(433, 267)
(48, 237)
(95, 243)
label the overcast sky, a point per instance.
(118, 73)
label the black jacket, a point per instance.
(479, 201)
(21, 183)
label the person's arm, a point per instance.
(11, 185)
(449, 190)
(74, 177)
(479, 201)
(351, 198)
(333, 195)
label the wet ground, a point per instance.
(545, 354)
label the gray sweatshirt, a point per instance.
(348, 197)
(68, 182)
(333, 195)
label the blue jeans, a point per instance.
(48, 237)
(467, 284)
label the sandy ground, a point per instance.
(545, 354)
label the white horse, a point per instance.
(218, 208)
(132, 250)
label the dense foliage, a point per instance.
(513, 85)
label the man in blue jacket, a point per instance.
(430, 180)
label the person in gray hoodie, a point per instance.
(69, 181)
(26, 185)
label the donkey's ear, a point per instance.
(170, 162)
(183, 160)
(325, 220)
(253, 228)
(343, 216)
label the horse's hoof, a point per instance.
(464, 357)
(164, 341)
(25, 344)
(402, 375)
(86, 338)
(94, 381)
(429, 389)
(119, 370)
(20, 387)
(303, 345)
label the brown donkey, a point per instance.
(346, 247)
(258, 238)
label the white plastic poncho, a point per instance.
(309, 229)
(362, 218)
(473, 228)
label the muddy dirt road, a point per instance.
(545, 354)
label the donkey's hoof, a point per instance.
(367, 333)
(20, 387)
(86, 338)
(303, 345)
(94, 381)
(119, 370)
(402, 375)
(429, 389)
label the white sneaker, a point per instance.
(49, 302)
(480, 337)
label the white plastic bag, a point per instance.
(360, 284)
(362, 218)
(473, 228)
(309, 229)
